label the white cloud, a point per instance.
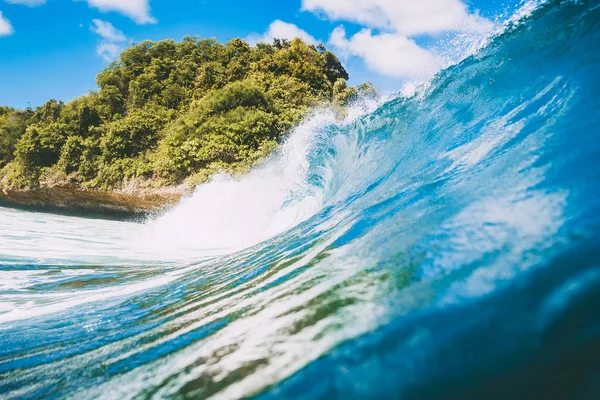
(281, 30)
(108, 51)
(6, 28)
(107, 31)
(111, 45)
(385, 43)
(138, 10)
(30, 3)
(390, 54)
(408, 17)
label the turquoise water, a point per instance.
(445, 245)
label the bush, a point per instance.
(40, 146)
(130, 136)
(80, 156)
(12, 126)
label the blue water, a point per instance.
(445, 245)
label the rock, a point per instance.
(123, 205)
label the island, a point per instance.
(165, 117)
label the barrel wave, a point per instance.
(442, 245)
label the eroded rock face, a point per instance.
(89, 203)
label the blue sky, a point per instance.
(55, 48)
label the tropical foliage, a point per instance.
(166, 112)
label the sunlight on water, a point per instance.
(442, 244)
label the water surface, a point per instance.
(445, 245)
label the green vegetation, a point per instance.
(168, 112)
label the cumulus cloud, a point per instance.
(108, 51)
(385, 43)
(138, 10)
(390, 54)
(30, 3)
(107, 31)
(408, 17)
(111, 45)
(281, 30)
(6, 28)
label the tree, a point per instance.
(48, 113)
(367, 90)
(167, 111)
(342, 94)
(130, 136)
(12, 126)
(40, 146)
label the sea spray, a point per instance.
(232, 213)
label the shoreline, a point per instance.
(116, 205)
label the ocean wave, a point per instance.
(439, 244)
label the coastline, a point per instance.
(213, 107)
(133, 205)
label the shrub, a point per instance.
(130, 136)
(40, 146)
(12, 126)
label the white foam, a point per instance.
(231, 213)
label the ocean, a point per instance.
(442, 244)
